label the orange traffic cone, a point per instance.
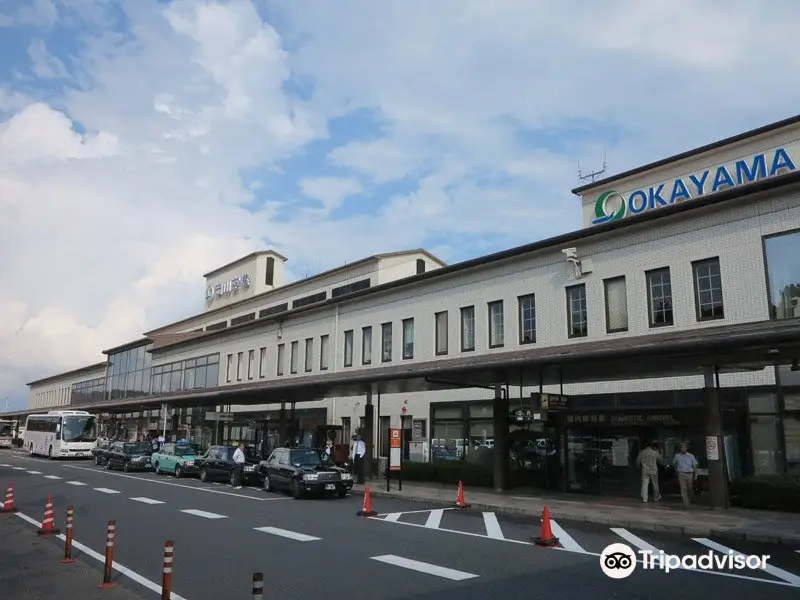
(366, 509)
(546, 537)
(48, 523)
(8, 505)
(460, 502)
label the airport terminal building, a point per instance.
(672, 315)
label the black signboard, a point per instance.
(526, 415)
(551, 402)
(626, 419)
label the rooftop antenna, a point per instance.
(593, 175)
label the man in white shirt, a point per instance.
(359, 450)
(238, 466)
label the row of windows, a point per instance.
(91, 390)
(52, 397)
(192, 374)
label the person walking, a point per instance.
(238, 466)
(359, 450)
(648, 460)
(686, 466)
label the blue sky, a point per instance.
(143, 143)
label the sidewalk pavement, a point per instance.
(698, 521)
(30, 568)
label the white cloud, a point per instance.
(119, 193)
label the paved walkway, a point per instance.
(30, 568)
(698, 521)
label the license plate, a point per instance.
(330, 486)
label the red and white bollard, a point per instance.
(68, 536)
(166, 578)
(111, 534)
(258, 586)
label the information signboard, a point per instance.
(395, 449)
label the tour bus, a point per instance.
(61, 434)
(6, 433)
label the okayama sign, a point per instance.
(227, 288)
(613, 206)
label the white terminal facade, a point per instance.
(708, 239)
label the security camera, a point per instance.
(570, 253)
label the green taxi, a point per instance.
(177, 459)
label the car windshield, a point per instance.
(137, 448)
(309, 458)
(187, 450)
(6, 428)
(78, 429)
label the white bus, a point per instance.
(6, 433)
(61, 434)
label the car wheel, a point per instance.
(126, 468)
(97, 460)
(108, 465)
(233, 479)
(50, 453)
(296, 489)
(267, 484)
(178, 472)
(203, 475)
(157, 469)
(31, 450)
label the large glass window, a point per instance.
(659, 296)
(251, 364)
(129, 373)
(577, 316)
(280, 359)
(386, 342)
(496, 324)
(324, 343)
(293, 357)
(239, 366)
(708, 290)
(765, 439)
(309, 355)
(348, 348)
(527, 319)
(616, 304)
(366, 345)
(468, 328)
(783, 274)
(448, 438)
(262, 363)
(408, 339)
(440, 323)
(228, 369)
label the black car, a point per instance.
(100, 451)
(129, 456)
(304, 471)
(217, 465)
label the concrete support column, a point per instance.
(500, 410)
(717, 472)
(282, 425)
(369, 435)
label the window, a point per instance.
(251, 364)
(659, 297)
(293, 358)
(577, 317)
(281, 358)
(269, 279)
(348, 348)
(239, 366)
(309, 354)
(366, 345)
(243, 319)
(420, 266)
(350, 288)
(708, 290)
(468, 329)
(616, 292)
(273, 310)
(386, 342)
(408, 339)
(229, 369)
(527, 319)
(262, 365)
(440, 320)
(783, 274)
(324, 342)
(496, 324)
(312, 299)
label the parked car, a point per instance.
(178, 458)
(129, 456)
(217, 465)
(100, 451)
(304, 471)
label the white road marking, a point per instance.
(492, 526)
(202, 513)
(415, 565)
(411, 512)
(634, 540)
(292, 535)
(75, 483)
(180, 485)
(34, 472)
(52, 477)
(18, 468)
(147, 500)
(130, 574)
(106, 491)
(434, 519)
(393, 516)
(789, 578)
(566, 540)
(5, 465)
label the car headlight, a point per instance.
(249, 468)
(310, 477)
(346, 477)
(188, 463)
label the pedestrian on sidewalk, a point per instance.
(686, 466)
(649, 459)
(238, 466)
(359, 450)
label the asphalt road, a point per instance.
(316, 548)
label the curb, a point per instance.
(626, 522)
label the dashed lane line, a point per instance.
(147, 500)
(202, 513)
(18, 468)
(423, 567)
(285, 533)
(106, 491)
(121, 569)
(75, 483)
(180, 485)
(34, 472)
(52, 477)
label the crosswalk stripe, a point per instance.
(393, 516)
(34, 472)
(202, 513)
(147, 501)
(52, 477)
(434, 519)
(18, 468)
(635, 540)
(106, 491)
(5, 465)
(76, 483)
(285, 533)
(492, 526)
(566, 540)
(774, 571)
(415, 565)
